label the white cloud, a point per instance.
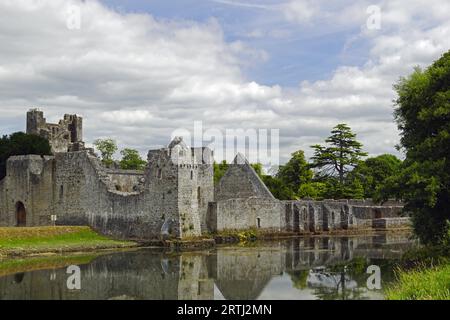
(137, 78)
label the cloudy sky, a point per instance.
(137, 70)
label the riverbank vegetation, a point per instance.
(38, 240)
(427, 283)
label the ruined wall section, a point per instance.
(28, 181)
(86, 196)
(250, 213)
(241, 181)
(126, 180)
(243, 201)
(189, 193)
(203, 158)
(161, 191)
(330, 215)
(64, 136)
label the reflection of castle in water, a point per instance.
(238, 273)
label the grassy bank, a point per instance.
(38, 240)
(422, 284)
(423, 274)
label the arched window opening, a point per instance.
(159, 173)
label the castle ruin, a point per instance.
(174, 196)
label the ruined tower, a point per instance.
(66, 136)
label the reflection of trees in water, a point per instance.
(238, 272)
(334, 285)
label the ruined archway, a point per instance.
(312, 220)
(296, 222)
(325, 217)
(21, 215)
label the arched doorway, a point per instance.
(21, 215)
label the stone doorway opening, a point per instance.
(21, 214)
(378, 214)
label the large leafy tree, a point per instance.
(20, 143)
(340, 155)
(373, 172)
(107, 148)
(423, 117)
(295, 172)
(131, 160)
(278, 188)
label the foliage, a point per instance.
(219, 170)
(258, 169)
(131, 160)
(423, 118)
(373, 173)
(20, 143)
(247, 236)
(313, 190)
(342, 153)
(299, 279)
(278, 188)
(295, 172)
(107, 148)
(424, 284)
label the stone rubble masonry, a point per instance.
(173, 196)
(174, 189)
(242, 202)
(65, 136)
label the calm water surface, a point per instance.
(307, 268)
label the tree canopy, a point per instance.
(341, 154)
(295, 172)
(20, 143)
(373, 172)
(131, 160)
(423, 117)
(107, 148)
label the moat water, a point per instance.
(308, 268)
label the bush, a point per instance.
(20, 143)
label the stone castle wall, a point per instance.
(76, 188)
(248, 213)
(173, 196)
(126, 180)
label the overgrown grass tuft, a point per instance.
(421, 284)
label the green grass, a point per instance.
(422, 284)
(50, 239)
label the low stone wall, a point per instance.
(376, 211)
(392, 223)
(242, 214)
(330, 215)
